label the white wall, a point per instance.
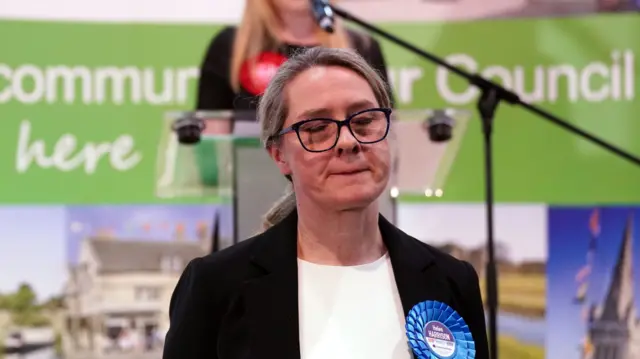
(229, 11)
(205, 11)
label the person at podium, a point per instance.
(241, 60)
(329, 277)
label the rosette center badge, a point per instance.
(440, 339)
(436, 331)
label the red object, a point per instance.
(257, 72)
(594, 223)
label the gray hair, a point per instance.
(273, 109)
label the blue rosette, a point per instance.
(436, 331)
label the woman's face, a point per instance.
(349, 176)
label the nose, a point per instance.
(346, 142)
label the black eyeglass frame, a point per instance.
(346, 122)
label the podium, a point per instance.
(231, 168)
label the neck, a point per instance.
(297, 28)
(344, 238)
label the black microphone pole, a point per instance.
(490, 97)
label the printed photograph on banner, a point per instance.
(521, 253)
(32, 274)
(460, 10)
(594, 289)
(124, 263)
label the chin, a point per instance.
(353, 191)
(297, 6)
(355, 198)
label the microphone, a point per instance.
(323, 14)
(439, 126)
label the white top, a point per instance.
(350, 312)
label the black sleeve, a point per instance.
(214, 87)
(192, 323)
(376, 59)
(475, 313)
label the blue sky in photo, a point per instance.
(140, 222)
(569, 236)
(32, 248)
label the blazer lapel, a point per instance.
(272, 298)
(417, 277)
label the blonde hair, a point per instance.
(273, 110)
(256, 33)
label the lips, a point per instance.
(350, 172)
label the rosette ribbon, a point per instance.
(436, 331)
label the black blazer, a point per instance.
(242, 302)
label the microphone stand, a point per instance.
(490, 96)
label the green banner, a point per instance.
(82, 116)
(583, 69)
(84, 111)
(83, 124)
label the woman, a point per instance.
(240, 61)
(330, 277)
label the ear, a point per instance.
(278, 157)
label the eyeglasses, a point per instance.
(321, 134)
